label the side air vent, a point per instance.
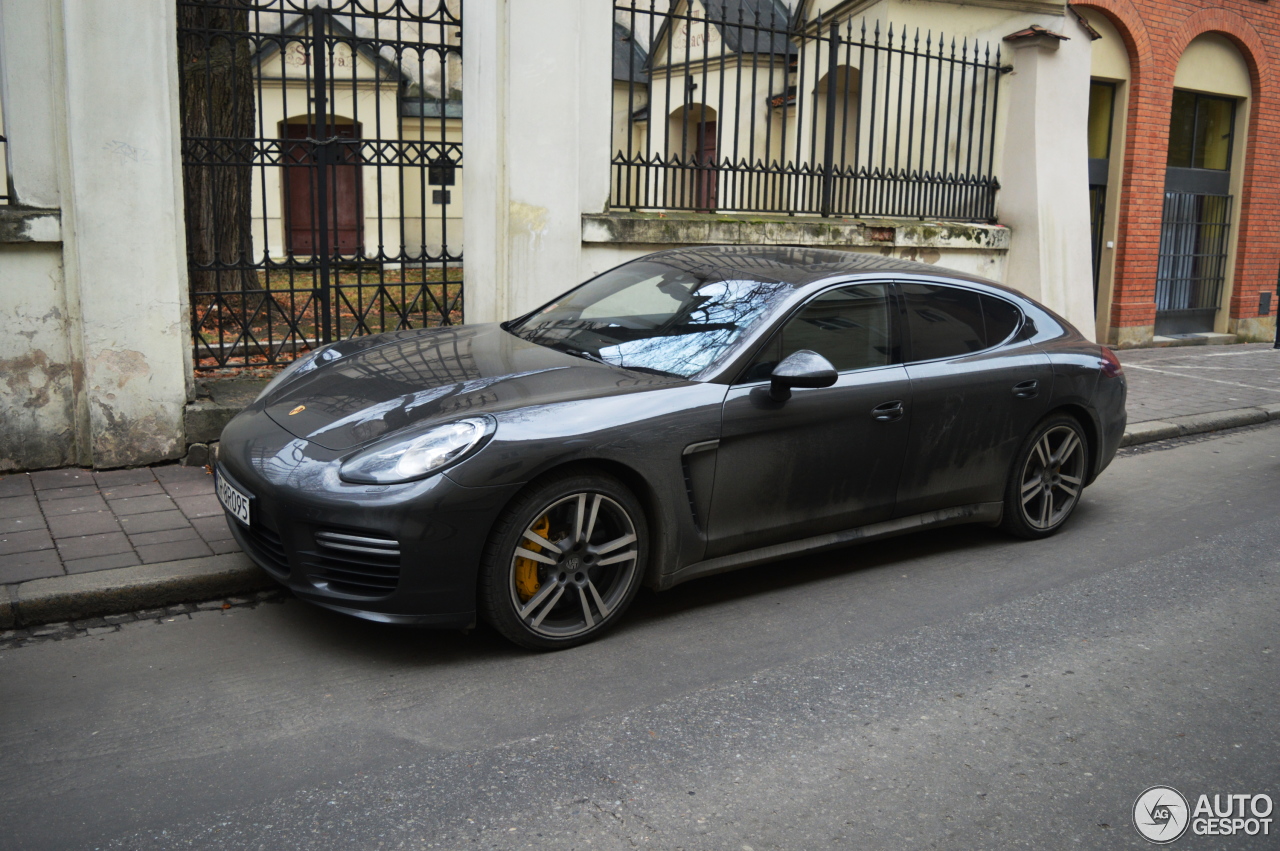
(362, 565)
(268, 547)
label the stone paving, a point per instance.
(1182, 380)
(58, 522)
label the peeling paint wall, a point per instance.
(39, 381)
(609, 239)
(96, 359)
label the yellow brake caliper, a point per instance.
(527, 583)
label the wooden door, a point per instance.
(705, 188)
(344, 197)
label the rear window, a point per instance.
(944, 322)
(1002, 319)
(949, 322)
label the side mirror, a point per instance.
(800, 369)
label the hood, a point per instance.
(385, 385)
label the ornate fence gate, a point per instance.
(321, 152)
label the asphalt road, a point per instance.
(951, 690)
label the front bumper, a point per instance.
(405, 554)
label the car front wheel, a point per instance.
(564, 561)
(1047, 478)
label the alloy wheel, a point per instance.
(1052, 478)
(574, 565)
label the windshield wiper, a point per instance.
(649, 370)
(585, 355)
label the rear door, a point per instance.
(977, 389)
(824, 460)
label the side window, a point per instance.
(847, 326)
(944, 322)
(1002, 319)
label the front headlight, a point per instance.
(306, 363)
(410, 458)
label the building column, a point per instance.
(123, 230)
(535, 140)
(1044, 194)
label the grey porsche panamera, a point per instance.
(684, 414)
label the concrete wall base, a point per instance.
(1253, 329)
(1133, 337)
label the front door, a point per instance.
(826, 459)
(303, 164)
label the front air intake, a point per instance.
(362, 565)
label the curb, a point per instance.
(1153, 430)
(128, 589)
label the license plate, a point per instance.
(233, 499)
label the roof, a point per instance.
(1035, 31)
(764, 25)
(1094, 35)
(300, 23)
(629, 57)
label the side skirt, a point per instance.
(982, 512)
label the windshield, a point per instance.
(652, 316)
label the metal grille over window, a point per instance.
(322, 154)
(1193, 259)
(737, 106)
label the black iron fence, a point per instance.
(733, 106)
(321, 150)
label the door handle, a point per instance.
(1027, 389)
(888, 411)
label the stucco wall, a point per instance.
(97, 366)
(37, 415)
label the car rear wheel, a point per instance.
(1047, 478)
(564, 561)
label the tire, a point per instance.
(1047, 478)
(564, 561)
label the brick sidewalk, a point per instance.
(1183, 380)
(57, 522)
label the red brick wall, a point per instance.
(1156, 33)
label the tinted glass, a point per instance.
(652, 316)
(944, 322)
(848, 326)
(1182, 129)
(1213, 133)
(1001, 319)
(1200, 130)
(1102, 97)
